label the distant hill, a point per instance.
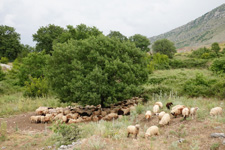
(204, 30)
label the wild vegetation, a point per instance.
(81, 66)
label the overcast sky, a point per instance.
(146, 17)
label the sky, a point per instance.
(129, 17)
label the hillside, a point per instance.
(204, 30)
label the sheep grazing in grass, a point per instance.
(193, 112)
(155, 109)
(64, 119)
(148, 115)
(177, 110)
(168, 105)
(159, 104)
(133, 130)
(216, 111)
(153, 130)
(34, 119)
(185, 112)
(161, 114)
(42, 119)
(165, 120)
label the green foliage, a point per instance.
(219, 89)
(140, 109)
(97, 70)
(80, 32)
(218, 65)
(2, 74)
(160, 61)
(203, 53)
(141, 42)
(215, 47)
(9, 42)
(4, 60)
(199, 86)
(33, 65)
(164, 46)
(118, 35)
(3, 131)
(45, 37)
(37, 87)
(187, 63)
(66, 134)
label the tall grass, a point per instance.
(16, 103)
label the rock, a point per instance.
(63, 147)
(3, 147)
(216, 135)
(49, 147)
(223, 142)
(218, 127)
(69, 146)
(181, 140)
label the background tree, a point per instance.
(141, 42)
(118, 35)
(9, 42)
(97, 70)
(164, 46)
(79, 33)
(45, 37)
(216, 48)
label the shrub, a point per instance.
(65, 134)
(2, 74)
(199, 86)
(4, 60)
(218, 65)
(187, 63)
(219, 89)
(160, 61)
(199, 52)
(37, 87)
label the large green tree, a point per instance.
(164, 46)
(141, 42)
(118, 35)
(10, 45)
(97, 70)
(45, 37)
(216, 48)
(79, 32)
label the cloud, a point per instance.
(146, 17)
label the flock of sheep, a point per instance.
(164, 118)
(84, 114)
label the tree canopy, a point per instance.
(118, 35)
(45, 37)
(164, 46)
(97, 70)
(141, 42)
(215, 47)
(9, 42)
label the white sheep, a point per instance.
(42, 119)
(159, 104)
(165, 119)
(193, 112)
(185, 113)
(34, 119)
(216, 111)
(153, 130)
(161, 114)
(155, 109)
(133, 130)
(148, 115)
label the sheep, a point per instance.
(148, 115)
(64, 119)
(34, 119)
(95, 118)
(155, 109)
(177, 110)
(42, 119)
(58, 117)
(165, 120)
(185, 112)
(160, 115)
(66, 111)
(126, 111)
(168, 105)
(216, 111)
(160, 104)
(193, 112)
(153, 130)
(41, 110)
(133, 130)
(48, 118)
(110, 116)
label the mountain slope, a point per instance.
(204, 30)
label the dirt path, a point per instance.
(22, 122)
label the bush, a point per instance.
(219, 89)
(2, 74)
(160, 61)
(37, 87)
(187, 63)
(66, 134)
(218, 65)
(4, 60)
(199, 86)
